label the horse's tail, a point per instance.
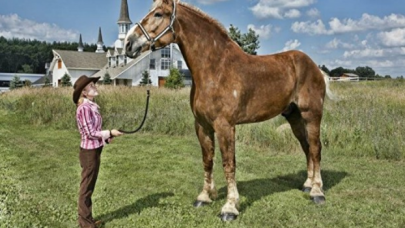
(329, 93)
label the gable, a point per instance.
(82, 60)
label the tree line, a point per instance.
(30, 56)
(363, 72)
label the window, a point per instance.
(109, 62)
(165, 53)
(152, 64)
(179, 65)
(59, 64)
(165, 64)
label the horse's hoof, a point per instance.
(198, 203)
(228, 217)
(318, 199)
(307, 189)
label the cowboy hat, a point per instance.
(80, 84)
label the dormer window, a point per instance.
(165, 53)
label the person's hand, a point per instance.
(115, 133)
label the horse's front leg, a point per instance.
(226, 139)
(206, 138)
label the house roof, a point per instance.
(124, 15)
(116, 71)
(100, 37)
(80, 42)
(41, 81)
(82, 60)
(350, 75)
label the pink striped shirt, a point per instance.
(89, 123)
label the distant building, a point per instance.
(6, 78)
(121, 69)
(346, 77)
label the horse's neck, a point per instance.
(201, 42)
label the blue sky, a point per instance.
(347, 33)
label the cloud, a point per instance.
(264, 31)
(312, 28)
(279, 8)
(393, 38)
(368, 53)
(11, 27)
(292, 13)
(336, 43)
(291, 45)
(366, 22)
(314, 12)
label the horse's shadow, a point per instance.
(253, 190)
(256, 189)
(135, 208)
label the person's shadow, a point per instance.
(135, 208)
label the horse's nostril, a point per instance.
(128, 46)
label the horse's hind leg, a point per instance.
(207, 140)
(306, 128)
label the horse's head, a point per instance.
(154, 31)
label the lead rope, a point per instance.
(147, 102)
(144, 116)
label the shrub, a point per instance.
(175, 79)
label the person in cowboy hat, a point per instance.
(92, 141)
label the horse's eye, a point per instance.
(158, 15)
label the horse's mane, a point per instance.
(196, 10)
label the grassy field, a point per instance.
(151, 179)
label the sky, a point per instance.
(334, 33)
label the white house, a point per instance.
(122, 70)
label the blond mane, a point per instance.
(194, 9)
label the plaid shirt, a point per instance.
(89, 123)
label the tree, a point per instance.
(107, 79)
(366, 72)
(65, 81)
(26, 69)
(27, 83)
(324, 69)
(249, 42)
(15, 82)
(47, 82)
(145, 79)
(235, 35)
(30, 56)
(337, 72)
(175, 79)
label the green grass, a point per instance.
(151, 179)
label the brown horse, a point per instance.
(231, 87)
